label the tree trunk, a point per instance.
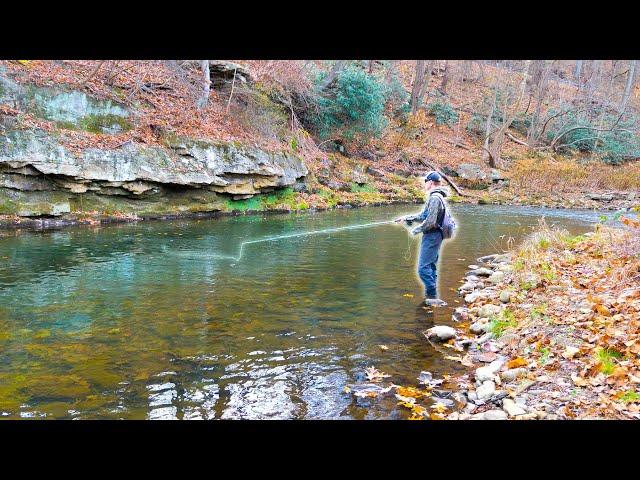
(631, 76)
(206, 84)
(445, 78)
(496, 145)
(418, 82)
(577, 72)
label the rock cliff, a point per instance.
(40, 175)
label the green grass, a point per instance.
(499, 323)
(606, 357)
(544, 243)
(252, 203)
(571, 241)
(545, 352)
(281, 199)
(630, 396)
(540, 312)
(548, 272)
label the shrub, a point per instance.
(397, 98)
(443, 111)
(355, 106)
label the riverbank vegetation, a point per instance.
(543, 132)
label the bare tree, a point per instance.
(495, 139)
(420, 84)
(206, 85)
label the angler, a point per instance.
(436, 224)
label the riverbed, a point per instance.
(152, 321)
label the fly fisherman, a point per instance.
(432, 219)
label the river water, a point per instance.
(147, 321)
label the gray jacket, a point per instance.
(433, 210)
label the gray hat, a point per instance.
(433, 176)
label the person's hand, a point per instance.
(416, 230)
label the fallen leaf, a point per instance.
(517, 362)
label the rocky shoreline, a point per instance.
(535, 336)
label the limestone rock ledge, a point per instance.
(35, 169)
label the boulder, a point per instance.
(440, 333)
(471, 171)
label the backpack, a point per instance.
(447, 224)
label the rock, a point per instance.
(300, 187)
(486, 337)
(222, 72)
(460, 314)
(511, 339)
(472, 297)
(513, 374)
(471, 171)
(504, 267)
(484, 374)
(473, 267)
(505, 296)
(223, 167)
(440, 333)
(570, 352)
(599, 197)
(631, 197)
(468, 287)
(478, 328)
(449, 171)
(494, 415)
(497, 175)
(486, 390)
(512, 408)
(358, 176)
(486, 357)
(487, 258)
(496, 277)
(375, 172)
(483, 272)
(24, 182)
(489, 310)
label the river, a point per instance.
(149, 321)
